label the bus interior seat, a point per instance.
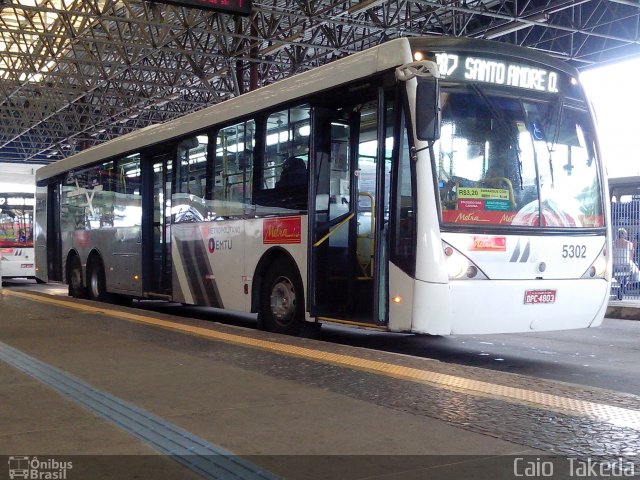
(294, 172)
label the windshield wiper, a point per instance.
(537, 132)
(556, 135)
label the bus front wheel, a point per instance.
(282, 299)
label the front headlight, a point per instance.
(459, 267)
(598, 268)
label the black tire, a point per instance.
(96, 281)
(282, 299)
(74, 277)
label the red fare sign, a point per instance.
(488, 244)
(532, 297)
(285, 230)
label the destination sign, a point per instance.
(8, 200)
(497, 72)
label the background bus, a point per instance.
(362, 192)
(16, 235)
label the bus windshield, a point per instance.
(516, 162)
(16, 220)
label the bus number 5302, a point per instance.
(574, 251)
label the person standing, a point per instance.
(624, 256)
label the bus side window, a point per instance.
(188, 204)
(284, 173)
(233, 168)
(403, 245)
(127, 209)
(87, 201)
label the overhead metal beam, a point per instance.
(99, 63)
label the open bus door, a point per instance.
(344, 273)
(53, 232)
(332, 214)
(156, 224)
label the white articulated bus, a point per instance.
(428, 185)
(16, 235)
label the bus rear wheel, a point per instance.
(76, 287)
(282, 299)
(96, 282)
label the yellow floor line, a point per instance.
(619, 416)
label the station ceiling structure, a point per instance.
(74, 73)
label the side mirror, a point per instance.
(428, 109)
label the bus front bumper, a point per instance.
(508, 306)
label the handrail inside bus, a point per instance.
(367, 268)
(333, 230)
(373, 208)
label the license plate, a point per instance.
(26, 265)
(539, 296)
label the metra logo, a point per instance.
(469, 217)
(507, 218)
(281, 230)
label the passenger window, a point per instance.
(233, 169)
(192, 166)
(127, 209)
(89, 195)
(191, 178)
(284, 173)
(77, 212)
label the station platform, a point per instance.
(627, 308)
(100, 391)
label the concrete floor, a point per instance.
(290, 416)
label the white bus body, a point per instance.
(16, 238)
(320, 199)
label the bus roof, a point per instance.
(361, 64)
(376, 59)
(624, 185)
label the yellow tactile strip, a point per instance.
(619, 416)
